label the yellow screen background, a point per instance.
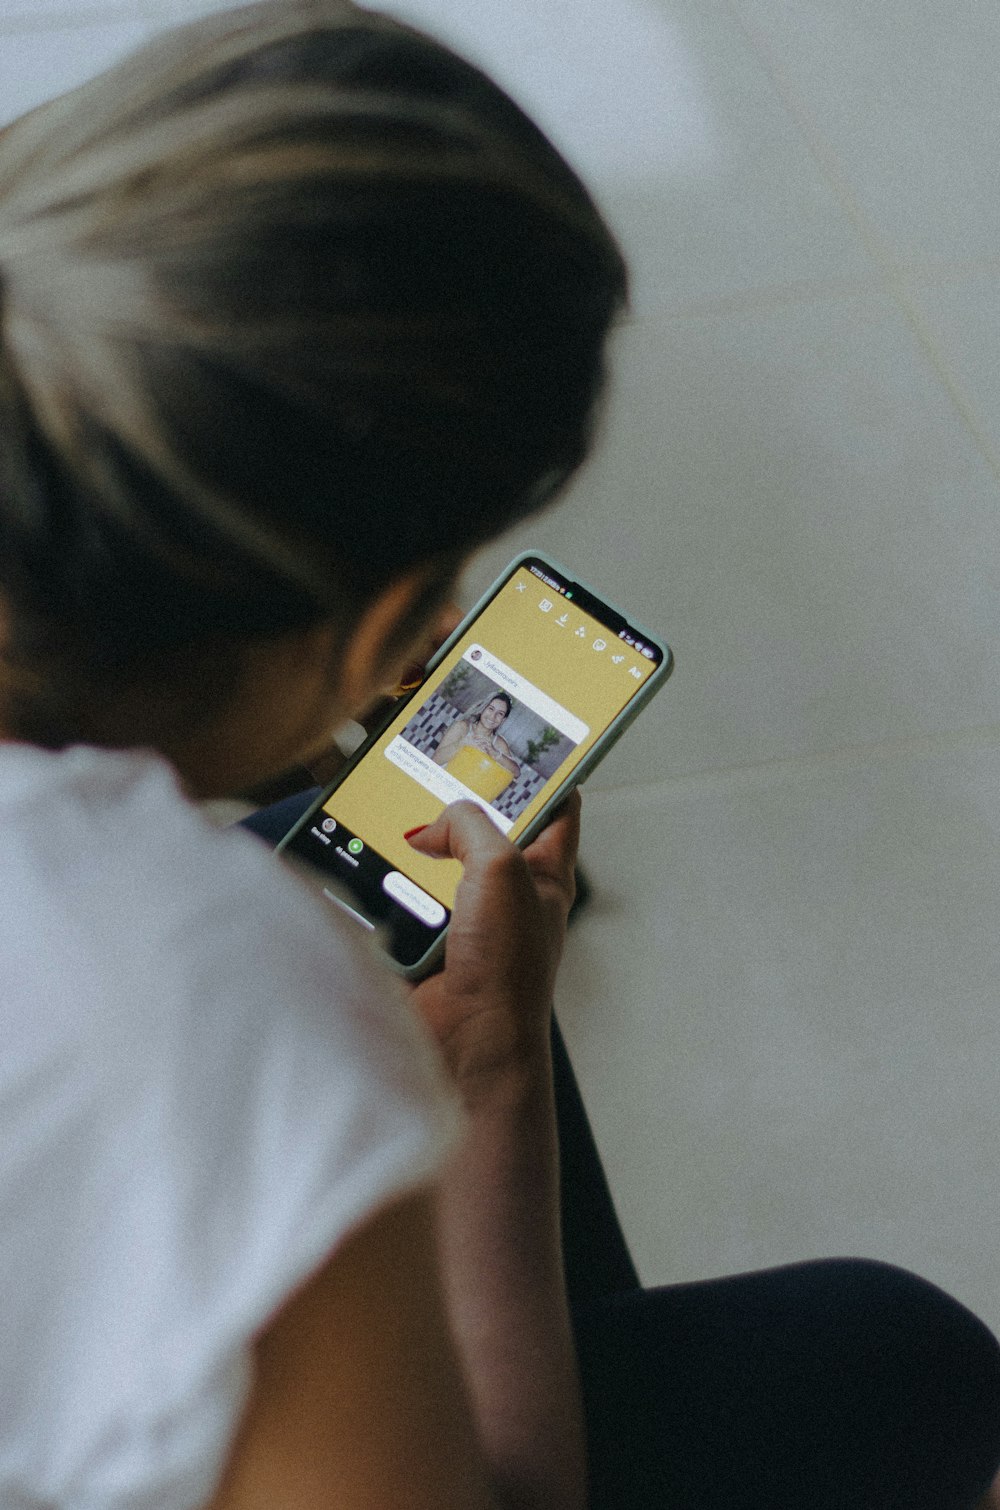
(380, 803)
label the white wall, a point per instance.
(783, 1003)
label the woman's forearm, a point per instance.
(451, 740)
(503, 1271)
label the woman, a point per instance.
(298, 310)
(480, 730)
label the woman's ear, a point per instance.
(388, 635)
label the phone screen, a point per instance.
(505, 718)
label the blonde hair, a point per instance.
(291, 300)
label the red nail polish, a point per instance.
(412, 831)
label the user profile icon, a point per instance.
(476, 655)
(328, 825)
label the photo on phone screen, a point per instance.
(523, 700)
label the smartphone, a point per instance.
(516, 708)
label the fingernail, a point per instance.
(410, 833)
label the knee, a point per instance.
(906, 1312)
(928, 1367)
(849, 1385)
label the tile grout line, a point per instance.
(40, 26)
(27, 25)
(804, 291)
(894, 276)
(764, 299)
(979, 737)
(932, 274)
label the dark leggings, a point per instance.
(837, 1385)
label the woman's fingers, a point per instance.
(465, 833)
(552, 855)
(462, 832)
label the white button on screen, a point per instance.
(409, 895)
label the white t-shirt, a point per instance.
(205, 1083)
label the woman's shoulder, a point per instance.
(176, 947)
(148, 914)
(458, 730)
(110, 840)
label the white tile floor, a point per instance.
(784, 1001)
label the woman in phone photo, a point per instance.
(479, 730)
(297, 311)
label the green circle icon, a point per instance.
(355, 846)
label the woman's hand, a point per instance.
(498, 1204)
(489, 1007)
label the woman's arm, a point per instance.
(358, 1400)
(503, 1273)
(451, 741)
(503, 755)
